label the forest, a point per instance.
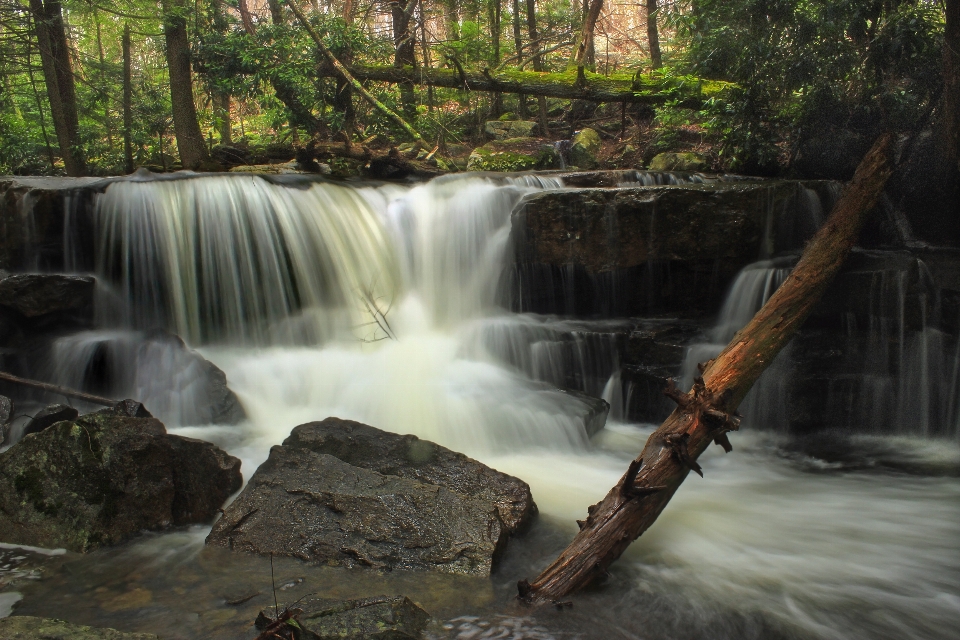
(97, 89)
(479, 319)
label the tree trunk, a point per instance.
(404, 42)
(246, 18)
(344, 73)
(518, 45)
(706, 414)
(653, 36)
(494, 15)
(581, 47)
(951, 86)
(537, 63)
(451, 19)
(58, 76)
(127, 103)
(190, 143)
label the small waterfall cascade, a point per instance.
(901, 372)
(659, 178)
(751, 289)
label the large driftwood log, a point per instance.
(640, 89)
(707, 412)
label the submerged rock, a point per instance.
(31, 628)
(378, 618)
(49, 415)
(101, 478)
(348, 494)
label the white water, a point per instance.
(281, 285)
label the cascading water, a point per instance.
(378, 303)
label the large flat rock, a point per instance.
(348, 494)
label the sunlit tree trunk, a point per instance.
(494, 15)
(127, 102)
(404, 42)
(221, 99)
(537, 61)
(518, 45)
(451, 19)
(653, 35)
(190, 142)
(58, 76)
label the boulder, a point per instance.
(315, 506)
(584, 148)
(31, 628)
(515, 154)
(378, 618)
(100, 479)
(505, 130)
(682, 161)
(597, 411)
(33, 295)
(7, 409)
(48, 416)
(407, 456)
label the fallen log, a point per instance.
(707, 413)
(64, 391)
(595, 87)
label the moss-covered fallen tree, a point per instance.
(652, 88)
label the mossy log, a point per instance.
(707, 412)
(641, 88)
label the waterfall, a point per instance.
(753, 286)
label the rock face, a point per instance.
(103, 477)
(584, 148)
(31, 628)
(378, 618)
(504, 130)
(429, 508)
(636, 251)
(515, 154)
(684, 161)
(38, 294)
(7, 409)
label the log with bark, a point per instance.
(52, 388)
(707, 413)
(635, 89)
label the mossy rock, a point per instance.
(507, 129)
(683, 161)
(516, 154)
(584, 148)
(31, 628)
(104, 477)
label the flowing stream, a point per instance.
(380, 304)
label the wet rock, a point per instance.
(190, 376)
(48, 416)
(683, 161)
(407, 456)
(33, 295)
(285, 168)
(316, 507)
(127, 408)
(504, 130)
(584, 149)
(31, 628)
(378, 618)
(637, 251)
(515, 154)
(100, 479)
(7, 409)
(598, 410)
